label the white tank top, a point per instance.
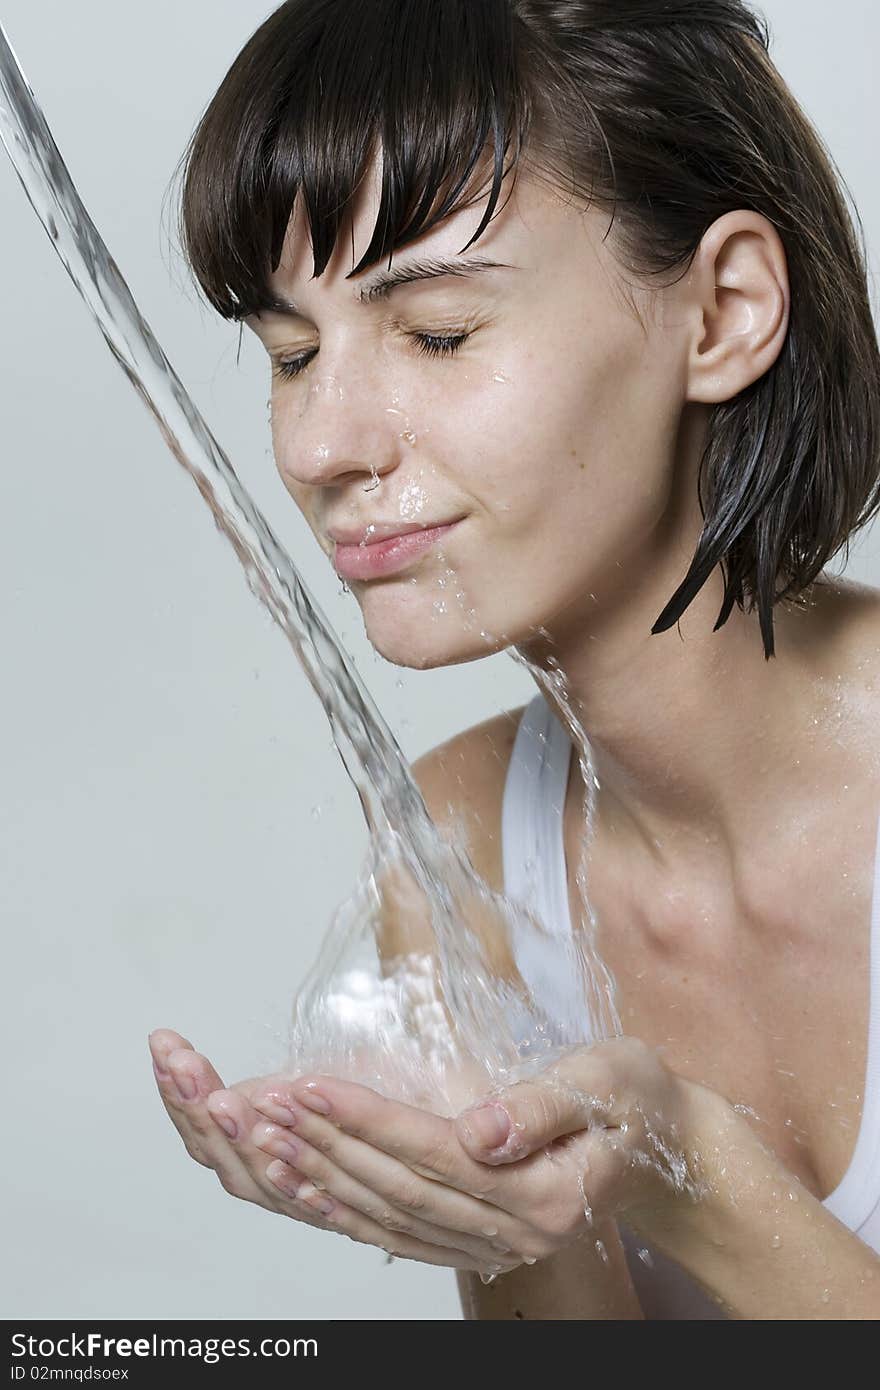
(535, 874)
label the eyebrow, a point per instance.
(381, 285)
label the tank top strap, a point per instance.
(533, 850)
(533, 856)
(857, 1196)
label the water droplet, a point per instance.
(588, 1210)
(776, 1241)
(355, 1002)
(647, 1258)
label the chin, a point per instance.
(430, 645)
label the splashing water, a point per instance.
(438, 1027)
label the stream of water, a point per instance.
(441, 1024)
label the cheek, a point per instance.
(283, 435)
(545, 448)
(571, 469)
(594, 440)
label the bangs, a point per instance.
(317, 91)
(668, 115)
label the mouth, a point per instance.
(352, 560)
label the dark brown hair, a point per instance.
(666, 113)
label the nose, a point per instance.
(336, 434)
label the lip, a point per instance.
(389, 554)
(374, 531)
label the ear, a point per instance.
(740, 294)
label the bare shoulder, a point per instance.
(865, 606)
(462, 782)
(850, 653)
(849, 619)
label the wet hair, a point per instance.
(664, 113)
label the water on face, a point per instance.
(440, 1025)
(448, 1023)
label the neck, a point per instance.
(695, 736)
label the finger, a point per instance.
(218, 1124)
(233, 1119)
(251, 1172)
(210, 1121)
(215, 1126)
(174, 1099)
(185, 1080)
(245, 1173)
(524, 1118)
(365, 1231)
(192, 1073)
(162, 1041)
(424, 1184)
(327, 1109)
(391, 1195)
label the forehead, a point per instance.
(530, 223)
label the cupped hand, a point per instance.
(606, 1131)
(244, 1134)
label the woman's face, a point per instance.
(550, 436)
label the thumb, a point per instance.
(519, 1121)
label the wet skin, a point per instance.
(446, 1191)
(575, 557)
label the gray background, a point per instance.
(176, 827)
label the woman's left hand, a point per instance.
(607, 1130)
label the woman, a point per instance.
(574, 282)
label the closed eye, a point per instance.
(428, 344)
(431, 346)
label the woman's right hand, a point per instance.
(222, 1130)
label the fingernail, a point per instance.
(311, 1097)
(278, 1175)
(284, 1148)
(489, 1125)
(227, 1124)
(159, 1072)
(186, 1086)
(281, 1114)
(308, 1195)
